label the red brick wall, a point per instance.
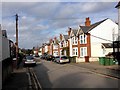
(88, 45)
(78, 47)
(59, 50)
(43, 50)
(49, 49)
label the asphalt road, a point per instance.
(53, 75)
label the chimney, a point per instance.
(55, 38)
(50, 41)
(60, 36)
(69, 31)
(87, 22)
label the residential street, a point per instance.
(53, 75)
(59, 44)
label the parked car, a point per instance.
(37, 57)
(61, 59)
(29, 60)
(50, 57)
(43, 57)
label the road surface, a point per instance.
(53, 75)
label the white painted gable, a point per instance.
(103, 33)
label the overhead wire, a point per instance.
(102, 38)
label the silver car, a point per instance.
(29, 60)
(61, 59)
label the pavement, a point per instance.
(19, 79)
(111, 70)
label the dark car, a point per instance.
(43, 57)
(50, 58)
(37, 57)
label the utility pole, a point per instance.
(16, 40)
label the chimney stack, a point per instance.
(50, 41)
(69, 31)
(87, 22)
(60, 36)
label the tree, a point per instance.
(67, 51)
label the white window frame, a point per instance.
(61, 45)
(83, 51)
(75, 40)
(46, 48)
(75, 51)
(55, 53)
(55, 46)
(83, 39)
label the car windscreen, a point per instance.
(29, 57)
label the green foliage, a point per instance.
(65, 49)
(27, 51)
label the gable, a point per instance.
(66, 37)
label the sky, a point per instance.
(40, 21)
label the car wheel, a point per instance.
(59, 62)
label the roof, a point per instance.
(85, 28)
(74, 31)
(117, 5)
(108, 45)
(88, 28)
(66, 37)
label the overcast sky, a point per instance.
(40, 21)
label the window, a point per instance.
(55, 53)
(75, 40)
(75, 51)
(83, 39)
(55, 47)
(83, 51)
(61, 53)
(61, 44)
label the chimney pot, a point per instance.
(60, 36)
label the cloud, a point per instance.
(41, 27)
(61, 1)
(40, 21)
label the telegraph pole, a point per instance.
(16, 40)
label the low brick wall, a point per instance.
(91, 59)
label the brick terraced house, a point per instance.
(88, 40)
